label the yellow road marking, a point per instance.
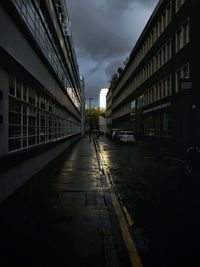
(130, 245)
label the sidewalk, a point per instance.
(78, 230)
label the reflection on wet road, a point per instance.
(161, 198)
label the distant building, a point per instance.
(102, 98)
(40, 88)
(102, 109)
(157, 94)
(102, 124)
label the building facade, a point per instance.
(157, 93)
(40, 88)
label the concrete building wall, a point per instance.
(122, 111)
(13, 178)
(102, 124)
(46, 127)
(151, 77)
(18, 47)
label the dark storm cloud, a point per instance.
(104, 33)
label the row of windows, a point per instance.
(157, 92)
(159, 124)
(157, 30)
(39, 28)
(181, 39)
(179, 4)
(35, 118)
(30, 95)
(163, 55)
(182, 35)
(163, 88)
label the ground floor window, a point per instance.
(158, 125)
(35, 118)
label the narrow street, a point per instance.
(99, 133)
(67, 212)
(63, 215)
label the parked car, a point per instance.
(114, 131)
(125, 136)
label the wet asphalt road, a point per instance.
(162, 199)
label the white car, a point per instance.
(126, 136)
(114, 132)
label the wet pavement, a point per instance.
(162, 199)
(63, 216)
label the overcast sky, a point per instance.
(104, 33)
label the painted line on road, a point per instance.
(123, 216)
(130, 245)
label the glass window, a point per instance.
(182, 36)
(169, 13)
(179, 4)
(36, 119)
(32, 96)
(178, 39)
(185, 71)
(178, 76)
(168, 50)
(164, 20)
(169, 87)
(24, 92)
(12, 81)
(186, 33)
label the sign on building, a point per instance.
(185, 84)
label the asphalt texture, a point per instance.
(62, 216)
(162, 198)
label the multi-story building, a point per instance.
(40, 88)
(157, 93)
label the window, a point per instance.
(156, 62)
(160, 92)
(178, 40)
(160, 58)
(159, 26)
(34, 118)
(163, 20)
(164, 54)
(182, 36)
(179, 4)
(169, 13)
(168, 50)
(32, 96)
(12, 86)
(133, 107)
(156, 93)
(42, 33)
(183, 72)
(186, 33)
(169, 86)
